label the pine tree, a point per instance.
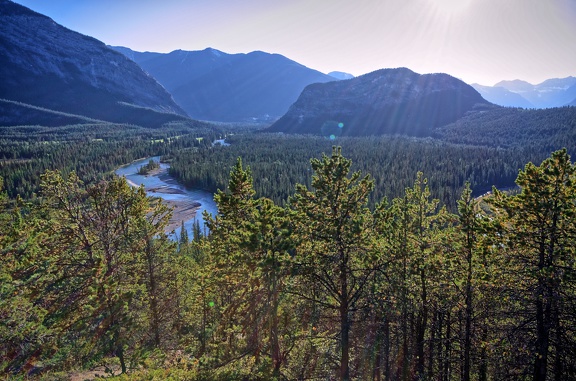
(250, 244)
(539, 225)
(183, 235)
(336, 255)
(100, 240)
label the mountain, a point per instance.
(340, 75)
(502, 96)
(176, 68)
(46, 65)
(213, 85)
(516, 86)
(554, 92)
(387, 101)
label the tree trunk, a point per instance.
(120, 354)
(483, 369)
(431, 345)
(558, 365)
(440, 346)
(153, 294)
(542, 341)
(468, 319)
(377, 345)
(421, 324)
(344, 323)
(376, 370)
(386, 350)
(542, 299)
(274, 341)
(447, 347)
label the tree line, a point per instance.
(279, 162)
(323, 287)
(92, 151)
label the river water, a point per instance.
(163, 186)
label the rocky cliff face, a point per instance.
(45, 64)
(387, 101)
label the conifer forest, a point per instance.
(314, 268)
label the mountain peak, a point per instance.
(515, 85)
(386, 101)
(340, 75)
(214, 52)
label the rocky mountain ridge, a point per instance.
(553, 92)
(45, 64)
(244, 87)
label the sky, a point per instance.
(478, 41)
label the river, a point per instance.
(188, 204)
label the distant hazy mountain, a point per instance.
(501, 96)
(516, 86)
(213, 85)
(46, 65)
(176, 68)
(387, 101)
(340, 75)
(555, 92)
(571, 90)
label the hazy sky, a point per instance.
(481, 41)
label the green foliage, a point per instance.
(322, 287)
(538, 226)
(545, 129)
(279, 162)
(336, 256)
(93, 151)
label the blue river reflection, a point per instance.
(163, 186)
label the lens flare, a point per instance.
(332, 129)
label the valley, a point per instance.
(391, 226)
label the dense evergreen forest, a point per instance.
(93, 151)
(278, 162)
(388, 263)
(320, 288)
(485, 148)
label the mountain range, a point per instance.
(51, 76)
(554, 92)
(46, 65)
(213, 85)
(387, 101)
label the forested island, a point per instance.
(151, 166)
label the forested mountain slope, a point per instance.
(46, 65)
(549, 129)
(387, 101)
